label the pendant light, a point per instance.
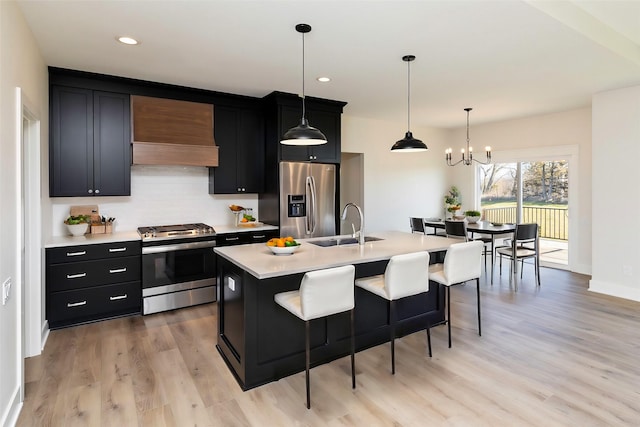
(408, 144)
(303, 134)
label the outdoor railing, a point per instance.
(553, 222)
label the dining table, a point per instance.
(481, 227)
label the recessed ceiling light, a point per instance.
(127, 40)
(323, 79)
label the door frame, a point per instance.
(30, 225)
(557, 152)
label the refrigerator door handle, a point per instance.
(311, 205)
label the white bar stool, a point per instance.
(405, 275)
(463, 262)
(321, 294)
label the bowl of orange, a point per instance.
(283, 245)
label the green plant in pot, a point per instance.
(452, 200)
(472, 216)
(77, 225)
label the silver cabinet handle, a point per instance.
(117, 249)
(76, 304)
(76, 253)
(76, 276)
(229, 239)
(118, 270)
(118, 297)
(261, 236)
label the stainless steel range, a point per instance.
(178, 266)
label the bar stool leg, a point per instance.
(429, 338)
(307, 350)
(392, 318)
(479, 323)
(353, 350)
(449, 313)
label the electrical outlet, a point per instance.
(6, 288)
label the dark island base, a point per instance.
(261, 342)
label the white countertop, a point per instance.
(92, 239)
(226, 229)
(258, 260)
(124, 236)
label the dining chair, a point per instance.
(462, 263)
(524, 245)
(456, 229)
(417, 225)
(404, 276)
(322, 293)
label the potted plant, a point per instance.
(472, 216)
(77, 225)
(452, 200)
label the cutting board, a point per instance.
(91, 210)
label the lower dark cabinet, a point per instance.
(92, 282)
(78, 306)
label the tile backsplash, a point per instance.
(160, 195)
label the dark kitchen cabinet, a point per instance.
(284, 111)
(92, 282)
(245, 237)
(90, 152)
(239, 134)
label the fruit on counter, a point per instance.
(282, 242)
(247, 218)
(236, 208)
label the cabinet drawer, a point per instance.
(90, 252)
(67, 307)
(262, 236)
(69, 276)
(229, 239)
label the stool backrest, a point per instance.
(463, 261)
(456, 229)
(328, 291)
(406, 275)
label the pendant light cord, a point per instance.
(303, 106)
(408, 96)
(467, 131)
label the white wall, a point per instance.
(539, 135)
(616, 194)
(397, 185)
(21, 65)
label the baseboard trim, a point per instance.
(614, 290)
(44, 335)
(11, 414)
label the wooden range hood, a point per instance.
(171, 132)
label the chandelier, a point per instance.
(467, 156)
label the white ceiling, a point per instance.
(505, 58)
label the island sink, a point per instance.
(342, 241)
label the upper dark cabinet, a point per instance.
(284, 111)
(239, 134)
(90, 140)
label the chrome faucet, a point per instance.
(361, 231)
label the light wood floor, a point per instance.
(554, 356)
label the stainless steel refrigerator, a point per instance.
(307, 199)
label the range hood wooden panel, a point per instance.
(171, 121)
(158, 153)
(171, 132)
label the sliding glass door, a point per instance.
(524, 192)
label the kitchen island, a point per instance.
(261, 342)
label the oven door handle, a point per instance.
(177, 247)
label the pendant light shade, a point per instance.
(303, 134)
(408, 144)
